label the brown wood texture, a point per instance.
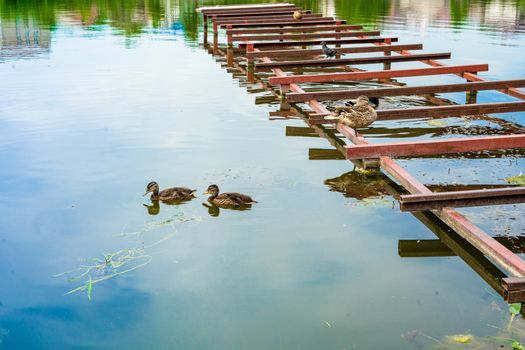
(405, 91)
(419, 148)
(304, 29)
(383, 74)
(305, 36)
(353, 61)
(307, 52)
(304, 22)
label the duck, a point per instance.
(360, 115)
(231, 199)
(329, 52)
(168, 194)
(297, 15)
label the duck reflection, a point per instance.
(361, 184)
(214, 210)
(154, 208)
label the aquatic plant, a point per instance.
(516, 180)
(123, 261)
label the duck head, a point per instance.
(152, 187)
(213, 190)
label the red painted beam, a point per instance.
(318, 42)
(304, 22)
(325, 28)
(267, 19)
(382, 74)
(436, 146)
(304, 36)
(207, 10)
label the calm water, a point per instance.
(97, 98)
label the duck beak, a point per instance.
(206, 192)
(145, 194)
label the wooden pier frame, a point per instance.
(496, 196)
(305, 36)
(405, 91)
(273, 44)
(483, 242)
(352, 61)
(300, 29)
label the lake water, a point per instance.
(98, 98)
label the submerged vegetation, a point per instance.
(123, 261)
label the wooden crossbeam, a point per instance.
(305, 29)
(404, 91)
(456, 199)
(352, 61)
(304, 22)
(267, 19)
(304, 36)
(342, 50)
(513, 289)
(383, 74)
(435, 146)
(450, 111)
(239, 8)
(271, 11)
(318, 42)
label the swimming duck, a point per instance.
(232, 199)
(360, 115)
(169, 194)
(329, 52)
(297, 15)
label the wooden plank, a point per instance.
(436, 146)
(305, 29)
(304, 22)
(384, 74)
(342, 50)
(450, 111)
(319, 41)
(304, 36)
(353, 61)
(405, 91)
(233, 8)
(267, 19)
(458, 199)
(265, 12)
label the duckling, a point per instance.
(360, 115)
(297, 15)
(169, 194)
(232, 199)
(329, 52)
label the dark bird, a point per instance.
(231, 199)
(329, 53)
(360, 115)
(297, 15)
(169, 194)
(373, 100)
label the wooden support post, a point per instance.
(472, 97)
(205, 20)
(215, 36)
(387, 65)
(250, 68)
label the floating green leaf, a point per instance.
(516, 180)
(515, 308)
(461, 338)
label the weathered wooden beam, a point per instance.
(513, 289)
(456, 199)
(305, 36)
(450, 111)
(436, 146)
(352, 61)
(405, 91)
(239, 8)
(342, 50)
(304, 22)
(265, 12)
(267, 19)
(263, 19)
(305, 29)
(318, 42)
(383, 74)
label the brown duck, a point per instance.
(360, 115)
(169, 194)
(297, 15)
(231, 199)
